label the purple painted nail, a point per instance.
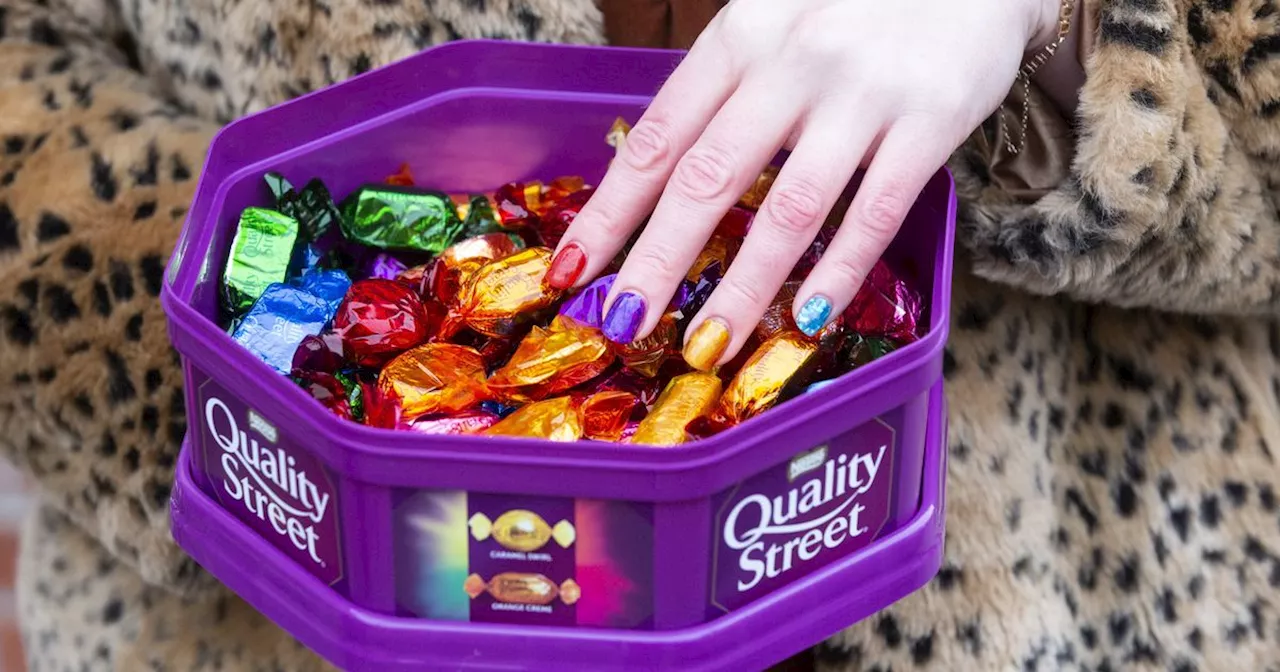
(624, 318)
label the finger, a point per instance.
(744, 135)
(814, 176)
(907, 158)
(681, 109)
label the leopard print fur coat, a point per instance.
(1114, 366)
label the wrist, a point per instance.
(1042, 23)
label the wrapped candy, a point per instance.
(699, 291)
(434, 378)
(605, 414)
(471, 422)
(515, 204)
(644, 389)
(383, 267)
(558, 419)
(629, 432)
(355, 393)
(864, 350)
(552, 224)
(754, 197)
(312, 208)
(503, 294)
(321, 352)
(260, 256)
(402, 177)
(329, 286)
(381, 410)
(686, 398)
(445, 276)
(778, 364)
(587, 306)
(736, 223)
(326, 389)
(478, 217)
(380, 319)
(552, 360)
(386, 217)
(718, 250)
(499, 409)
(523, 588)
(645, 356)
(521, 530)
(277, 323)
(884, 306)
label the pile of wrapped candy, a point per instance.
(407, 308)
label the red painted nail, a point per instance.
(567, 267)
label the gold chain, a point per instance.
(1029, 70)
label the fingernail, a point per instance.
(624, 318)
(567, 267)
(706, 344)
(813, 315)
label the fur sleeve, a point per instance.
(95, 174)
(1171, 200)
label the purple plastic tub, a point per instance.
(395, 550)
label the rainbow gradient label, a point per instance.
(524, 560)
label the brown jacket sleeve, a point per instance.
(96, 170)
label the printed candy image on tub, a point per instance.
(497, 559)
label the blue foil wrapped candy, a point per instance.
(328, 285)
(278, 321)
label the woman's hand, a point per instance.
(894, 86)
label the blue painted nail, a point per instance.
(813, 315)
(624, 318)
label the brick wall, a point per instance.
(13, 504)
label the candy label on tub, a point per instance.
(264, 480)
(799, 516)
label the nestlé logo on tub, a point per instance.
(774, 535)
(265, 479)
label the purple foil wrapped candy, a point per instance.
(587, 306)
(384, 267)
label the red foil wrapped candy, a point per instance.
(380, 319)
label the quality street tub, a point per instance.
(480, 552)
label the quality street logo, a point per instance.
(266, 481)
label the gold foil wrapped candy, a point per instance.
(558, 419)
(754, 197)
(523, 588)
(566, 354)
(434, 378)
(686, 398)
(502, 294)
(778, 363)
(521, 530)
(647, 355)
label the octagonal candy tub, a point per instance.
(388, 550)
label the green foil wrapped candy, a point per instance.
(401, 219)
(480, 218)
(312, 206)
(260, 255)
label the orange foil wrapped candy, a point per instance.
(445, 276)
(686, 398)
(605, 414)
(719, 249)
(559, 189)
(648, 354)
(551, 360)
(781, 362)
(502, 294)
(558, 419)
(434, 378)
(755, 195)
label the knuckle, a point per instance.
(651, 262)
(848, 270)
(648, 145)
(883, 214)
(742, 292)
(705, 173)
(794, 207)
